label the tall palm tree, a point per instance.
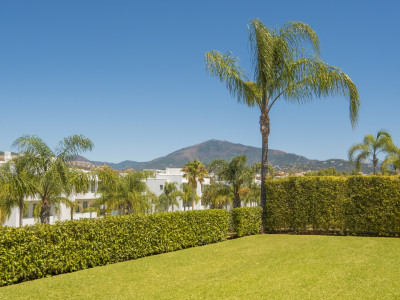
(194, 171)
(48, 172)
(370, 148)
(236, 172)
(282, 69)
(170, 196)
(15, 187)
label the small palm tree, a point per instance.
(187, 194)
(14, 188)
(370, 148)
(283, 70)
(217, 194)
(170, 196)
(393, 160)
(194, 171)
(236, 173)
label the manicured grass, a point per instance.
(256, 267)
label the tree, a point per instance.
(236, 173)
(370, 147)
(194, 171)
(170, 196)
(393, 160)
(14, 188)
(128, 193)
(187, 194)
(48, 172)
(217, 195)
(283, 69)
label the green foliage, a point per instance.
(370, 148)
(326, 172)
(246, 220)
(40, 250)
(359, 205)
(47, 172)
(236, 173)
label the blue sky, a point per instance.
(131, 75)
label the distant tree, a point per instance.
(187, 195)
(392, 160)
(326, 172)
(236, 173)
(127, 193)
(253, 195)
(282, 69)
(48, 172)
(170, 196)
(217, 195)
(194, 171)
(370, 148)
(14, 188)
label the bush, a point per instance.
(360, 205)
(36, 251)
(246, 220)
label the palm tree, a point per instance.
(217, 194)
(283, 69)
(392, 159)
(14, 188)
(194, 171)
(371, 147)
(187, 194)
(236, 173)
(170, 196)
(48, 172)
(128, 193)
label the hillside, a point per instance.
(209, 150)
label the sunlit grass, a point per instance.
(256, 267)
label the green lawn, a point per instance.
(256, 267)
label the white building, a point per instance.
(156, 185)
(82, 209)
(85, 201)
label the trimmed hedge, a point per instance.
(37, 251)
(358, 205)
(246, 220)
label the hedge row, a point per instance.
(37, 251)
(358, 205)
(246, 220)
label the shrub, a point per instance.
(360, 205)
(36, 251)
(246, 220)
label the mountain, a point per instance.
(212, 149)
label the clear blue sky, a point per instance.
(131, 76)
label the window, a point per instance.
(161, 187)
(85, 204)
(78, 207)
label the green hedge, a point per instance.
(359, 205)
(36, 251)
(246, 220)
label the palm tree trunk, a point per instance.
(21, 211)
(375, 162)
(265, 129)
(45, 212)
(193, 197)
(236, 200)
